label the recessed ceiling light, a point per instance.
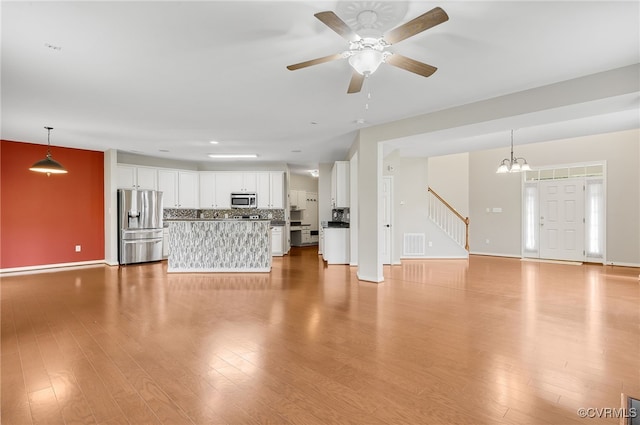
(163, 150)
(296, 151)
(232, 155)
(313, 123)
(213, 142)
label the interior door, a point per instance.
(562, 219)
(385, 234)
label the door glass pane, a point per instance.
(594, 170)
(561, 173)
(576, 171)
(546, 174)
(530, 231)
(594, 220)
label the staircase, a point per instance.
(448, 219)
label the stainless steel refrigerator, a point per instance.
(139, 226)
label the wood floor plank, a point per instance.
(45, 408)
(486, 340)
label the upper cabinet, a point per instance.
(188, 193)
(223, 190)
(298, 199)
(243, 182)
(204, 189)
(132, 177)
(207, 185)
(340, 185)
(270, 189)
(179, 188)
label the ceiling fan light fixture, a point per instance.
(367, 61)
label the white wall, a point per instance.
(304, 182)
(448, 175)
(620, 150)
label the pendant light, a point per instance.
(513, 164)
(48, 165)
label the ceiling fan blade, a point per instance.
(357, 80)
(411, 65)
(415, 26)
(314, 62)
(332, 20)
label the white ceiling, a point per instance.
(151, 77)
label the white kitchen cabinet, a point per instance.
(335, 249)
(207, 186)
(277, 241)
(243, 182)
(188, 189)
(270, 189)
(133, 177)
(168, 185)
(223, 190)
(306, 235)
(298, 199)
(340, 184)
(179, 188)
(277, 189)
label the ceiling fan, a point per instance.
(367, 51)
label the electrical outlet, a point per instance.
(430, 244)
(487, 241)
(78, 248)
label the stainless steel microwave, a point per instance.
(243, 200)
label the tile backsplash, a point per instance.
(178, 213)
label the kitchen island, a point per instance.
(220, 245)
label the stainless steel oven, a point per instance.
(243, 200)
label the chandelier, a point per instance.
(513, 164)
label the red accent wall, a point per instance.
(43, 218)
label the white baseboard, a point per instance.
(493, 254)
(436, 257)
(50, 267)
(369, 279)
(542, 260)
(615, 263)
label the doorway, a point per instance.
(562, 219)
(564, 213)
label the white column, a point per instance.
(110, 208)
(369, 206)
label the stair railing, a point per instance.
(448, 219)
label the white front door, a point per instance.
(385, 234)
(562, 219)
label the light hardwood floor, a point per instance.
(484, 341)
